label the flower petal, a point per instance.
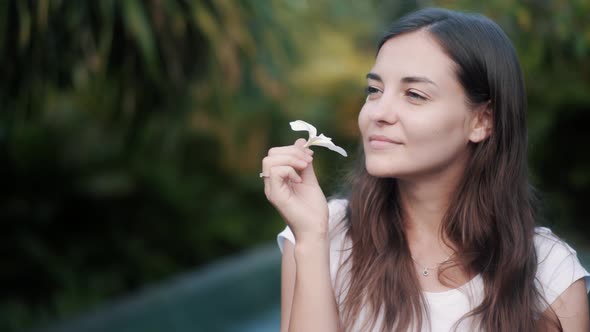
(328, 144)
(299, 125)
(312, 140)
(322, 137)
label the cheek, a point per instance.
(363, 119)
(437, 134)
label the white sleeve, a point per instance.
(558, 265)
(285, 234)
(336, 212)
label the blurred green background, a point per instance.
(131, 132)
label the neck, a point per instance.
(425, 199)
(424, 202)
(424, 206)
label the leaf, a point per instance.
(24, 31)
(138, 26)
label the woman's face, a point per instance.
(415, 121)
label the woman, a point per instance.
(438, 229)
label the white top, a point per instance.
(558, 268)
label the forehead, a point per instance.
(414, 54)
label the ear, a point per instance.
(481, 124)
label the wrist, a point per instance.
(312, 238)
(312, 244)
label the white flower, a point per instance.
(314, 139)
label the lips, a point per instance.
(380, 142)
(382, 139)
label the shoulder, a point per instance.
(550, 246)
(551, 250)
(558, 264)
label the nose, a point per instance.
(385, 111)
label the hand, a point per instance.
(293, 189)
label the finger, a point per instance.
(283, 160)
(278, 182)
(284, 173)
(308, 175)
(266, 180)
(300, 142)
(299, 151)
(280, 160)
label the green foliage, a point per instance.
(131, 132)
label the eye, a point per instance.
(415, 96)
(371, 90)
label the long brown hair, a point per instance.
(491, 216)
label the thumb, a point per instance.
(308, 175)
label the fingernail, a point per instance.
(309, 151)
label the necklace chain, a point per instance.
(425, 268)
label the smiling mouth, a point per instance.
(379, 142)
(382, 140)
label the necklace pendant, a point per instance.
(425, 272)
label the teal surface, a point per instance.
(584, 257)
(241, 294)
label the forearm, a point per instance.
(314, 306)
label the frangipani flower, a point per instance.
(314, 139)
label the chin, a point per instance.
(387, 167)
(380, 170)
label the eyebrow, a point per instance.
(373, 76)
(409, 79)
